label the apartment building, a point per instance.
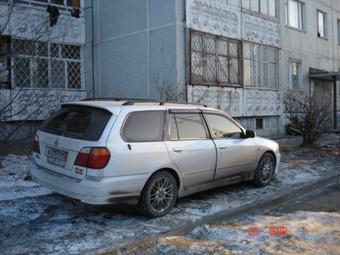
(41, 61)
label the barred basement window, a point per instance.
(260, 66)
(214, 60)
(46, 65)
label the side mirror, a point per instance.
(250, 134)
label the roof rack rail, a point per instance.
(132, 101)
(184, 103)
(111, 99)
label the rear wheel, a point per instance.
(159, 195)
(265, 170)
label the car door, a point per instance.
(235, 154)
(190, 148)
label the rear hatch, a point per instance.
(67, 132)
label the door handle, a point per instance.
(222, 147)
(178, 150)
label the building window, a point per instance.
(46, 65)
(260, 66)
(259, 123)
(338, 31)
(295, 12)
(295, 74)
(5, 64)
(322, 24)
(69, 3)
(215, 60)
(266, 7)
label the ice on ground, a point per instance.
(307, 233)
(15, 181)
(55, 224)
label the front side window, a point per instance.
(295, 14)
(260, 66)
(221, 127)
(295, 79)
(215, 60)
(189, 126)
(322, 24)
(144, 126)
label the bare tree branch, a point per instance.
(308, 114)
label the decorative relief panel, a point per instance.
(260, 30)
(228, 100)
(237, 102)
(39, 104)
(33, 24)
(215, 17)
(261, 102)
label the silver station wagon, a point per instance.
(146, 153)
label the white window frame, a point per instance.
(49, 58)
(64, 6)
(247, 4)
(257, 71)
(325, 24)
(301, 15)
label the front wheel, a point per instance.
(265, 170)
(159, 195)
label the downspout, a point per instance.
(92, 49)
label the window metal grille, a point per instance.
(46, 65)
(60, 3)
(214, 60)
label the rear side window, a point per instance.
(190, 126)
(144, 126)
(79, 122)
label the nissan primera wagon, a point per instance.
(146, 153)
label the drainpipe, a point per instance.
(92, 49)
(335, 103)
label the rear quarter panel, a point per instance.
(135, 158)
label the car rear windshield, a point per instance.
(80, 122)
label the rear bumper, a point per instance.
(96, 191)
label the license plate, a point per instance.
(56, 157)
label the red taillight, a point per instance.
(95, 158)
(35, 146)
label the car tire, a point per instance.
(265, 170)
(159, 195)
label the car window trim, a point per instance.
(151, 141)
